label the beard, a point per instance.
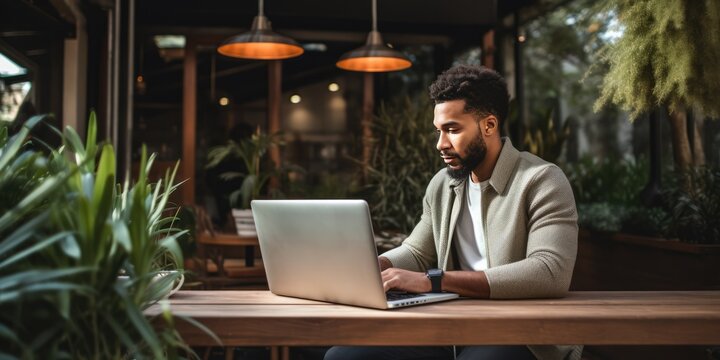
(476, 152)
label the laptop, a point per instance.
(325, 250)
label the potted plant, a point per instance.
(254, 175)
(68, 234)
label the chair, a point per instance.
(215, 249)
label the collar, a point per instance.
(503, 168)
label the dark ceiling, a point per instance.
(455, 18)
(341, 25)
(29, 25)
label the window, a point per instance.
(14, 88)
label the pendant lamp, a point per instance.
(260, 43)
(374, 56)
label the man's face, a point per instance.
(460, 142)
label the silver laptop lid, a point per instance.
(320, 249)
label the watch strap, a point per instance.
(435, 276)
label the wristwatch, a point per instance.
(435, 276)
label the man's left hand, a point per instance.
(405, 280)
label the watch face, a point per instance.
(435, 272)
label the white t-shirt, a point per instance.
(469, 232)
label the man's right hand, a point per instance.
(384, 263)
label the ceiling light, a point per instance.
(295, 99)
(260, 43)
(333, 87)
(374, 56)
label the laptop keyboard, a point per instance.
(392, 296)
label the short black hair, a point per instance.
(484, 90)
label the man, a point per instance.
(500, 223)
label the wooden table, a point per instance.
(259, 318)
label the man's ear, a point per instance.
(490, 125)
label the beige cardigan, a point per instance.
(530, 224)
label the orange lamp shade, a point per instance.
(261, 50)
(374, 56)
(260, 43)
(374, 64)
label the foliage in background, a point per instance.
(668, 54)
(560, 47)
(330, 186)
(696, 212)
(608, 199)
(542, 138)
(404, 160)
(607, 193)
(63, 245)
(251, 151)
(640, 55)
(607, 180)
(186, 219)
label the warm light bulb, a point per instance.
(295, 99)
(223, 101)
(333, 87)
(521, 38)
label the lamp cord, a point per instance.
(374, 13)
(261, 6)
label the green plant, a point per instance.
(608, 196)
(187, 219)
(542, 137)
(251, 151)
(403, 162)
(27, 185)
(607, 180)
(667, 55)
(63, 245)
(695, 209)
(648, 221)
(601, 216)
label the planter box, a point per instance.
(613, 261)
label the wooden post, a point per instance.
(189, 121)
(366, 123)
(488, 49)
(273, 111)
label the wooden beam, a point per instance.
(189, 121)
